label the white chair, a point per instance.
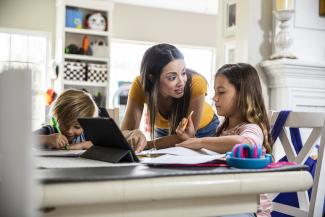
(315, 121)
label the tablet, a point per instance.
(108, 141)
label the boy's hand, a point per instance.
(185, 128)
(57, 141)
(81, 145)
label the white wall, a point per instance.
(129, 22)
(308, 31)
(36, 15)
(28, 14)
(159, 25)
(252, 36)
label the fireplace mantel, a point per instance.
(295, 84)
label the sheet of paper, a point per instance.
(74, 162)
(174, 159)
(208, 152)
(59, 153)
(180, 151)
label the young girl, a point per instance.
(67, 108)
(171, 92)
(238, 97)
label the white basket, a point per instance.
(74, 71)
(97, 72)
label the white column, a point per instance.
(16, 178)
(251, 36)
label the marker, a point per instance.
(185, 121)
(56, 126)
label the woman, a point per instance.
(171, 92)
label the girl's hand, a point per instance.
(192, 143)
(185, 128)
(81, 145)
(136, 139)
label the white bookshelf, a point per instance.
(85, 58)
(86, 31)
(84, 83)
(66, 36)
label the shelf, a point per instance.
(85, 83)
(67, 35)
(86, 31)
(85, 57)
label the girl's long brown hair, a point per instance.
(251, 105)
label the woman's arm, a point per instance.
(196, 105)
(164, 142)
(133, 114)
(189, 131)
(130, 126)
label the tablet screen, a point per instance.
(105, 132)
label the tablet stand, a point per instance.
(111, 155)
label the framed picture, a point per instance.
(230, 17)
(230, 57)
(322, 8)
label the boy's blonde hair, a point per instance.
(71, 105)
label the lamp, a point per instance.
(283, 39)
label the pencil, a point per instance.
(56, 126)
(185, 121)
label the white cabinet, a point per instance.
(83, 35)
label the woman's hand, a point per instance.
(136, 139)
(185, 128)
(81, 145)
(57, 140)
(192, 143)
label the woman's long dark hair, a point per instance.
(245, 79)
(153, 62)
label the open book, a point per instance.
(180, 155)
(57, 153)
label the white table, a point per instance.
(194, 195)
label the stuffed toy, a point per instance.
(50, 96)
(85, 45)
(99, 48)
(96, 21)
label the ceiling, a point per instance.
(195, 6)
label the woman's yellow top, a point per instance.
(198, 88)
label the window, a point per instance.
(126, 60)
(201, 60)
(21, 49)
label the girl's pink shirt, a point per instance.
(254, 134)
